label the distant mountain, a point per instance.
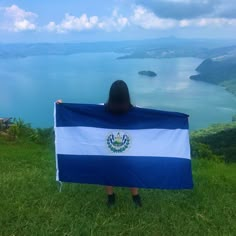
(220, 69)
(38, 49)
(180, 48)
(150, 48)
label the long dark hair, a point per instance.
(119, 98)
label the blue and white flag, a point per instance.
(143, 148)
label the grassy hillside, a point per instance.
(218, 139)
(30, 203)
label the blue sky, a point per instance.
(99, 20)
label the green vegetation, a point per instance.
(234, 118)
(220, 70)
(30, 203)
(24, 131)
(216, 142)
(230, 85)
(147, 73)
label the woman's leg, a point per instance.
(109, 190)
(110, 196)
(134, 191)
(136, 197)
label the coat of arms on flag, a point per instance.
(118, 142)
(142, 148)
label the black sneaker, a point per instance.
(111, 199)
(137, 200)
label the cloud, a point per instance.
(16, 19)
(148, 20)
(116, 22)
(23, 25)
(73, 23)
(190, 9)
(226, 9)
(147, 16)
(217, 22)
(179, 9)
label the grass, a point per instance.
(30, 203)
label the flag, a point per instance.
(143, 148)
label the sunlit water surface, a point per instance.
(30, 85)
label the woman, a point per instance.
(119, 103)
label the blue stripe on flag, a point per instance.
(88, 115)
(126, 171)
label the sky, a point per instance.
(110, 20)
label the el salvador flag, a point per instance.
(143, 148)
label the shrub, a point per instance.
(20, 129)
(202, 150)
(43, 136)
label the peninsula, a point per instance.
(219, 70)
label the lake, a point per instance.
(30, 85)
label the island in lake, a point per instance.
(147, 73)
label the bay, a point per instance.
(29, 86)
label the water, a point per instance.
(29, 86)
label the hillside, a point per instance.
(180, 48)
(218, 139)
(220, 70)
(31, 203)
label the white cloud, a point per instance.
(72, 23)
(23, 25)
(78, 23)
(207, 22)
(17, 13)
(184, 23)
(148, 20)
(17, 19)
(51, 26)
(215, 22)
(114, 23)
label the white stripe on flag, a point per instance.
(143, 142)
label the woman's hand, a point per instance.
(59, 101)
